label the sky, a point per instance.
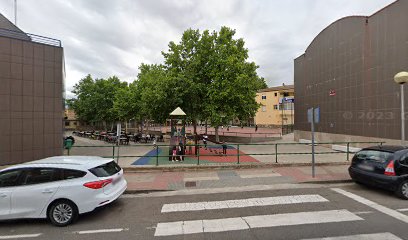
(105, 38)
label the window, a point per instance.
(10, 178)
(71, 174)
(275, 107)
(105, 170)
(404, 160)
(40, 175)
(263, 108)
(263, 97)
(276, 94)
(375, 156)
(66, 124)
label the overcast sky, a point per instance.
(106, 37)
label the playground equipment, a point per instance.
(178, 131)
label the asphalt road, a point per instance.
(287, 211)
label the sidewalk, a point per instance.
(209, 179)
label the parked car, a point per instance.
(382, 166)
(59, 188)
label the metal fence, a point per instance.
(29, 37)
(115, 151)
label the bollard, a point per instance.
(276, 153)
(348, 147)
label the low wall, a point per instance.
(331, 137)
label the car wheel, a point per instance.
(62, 213)
(402, 191)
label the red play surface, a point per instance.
(219, 158)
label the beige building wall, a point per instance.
(270, 113)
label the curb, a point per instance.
(146, 191)
(223, 167)
(328, 181)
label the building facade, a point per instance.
(276, 106)
(31, 95)
(70, 121)
(348, 72)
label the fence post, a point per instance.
(238, 152)
(117, 160)
(113, 151)
(68, 151)
(348, 150)
(157, 155)
(276, 153)
(198, 154)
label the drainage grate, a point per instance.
(190, 184)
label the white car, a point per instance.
(59, 188)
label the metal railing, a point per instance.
(238, 154)
(29, 37)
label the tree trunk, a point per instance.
(105, 126)
(206, 126)
(217, 137)
(126, 126)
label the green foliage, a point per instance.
(206, 74)
(95, 99)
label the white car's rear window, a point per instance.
(105, 170)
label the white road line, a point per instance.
(363, 212)
(371, 236)
(21, 236)
(242, 203)
(390, 212)
(223, 190)
(403, 210)
(102, 231)
(260, 221)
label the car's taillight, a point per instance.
(98, 184)
(389, 170)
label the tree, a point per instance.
(94, 102)
(158, 92)
(216, 81)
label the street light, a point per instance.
(401, 78)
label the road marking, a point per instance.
(390, 212)
(403, 210)
(260, 221)
(103, 231)
(21, 236)
(371, 236)
(363, 212)
(223, 190)
(242, 203)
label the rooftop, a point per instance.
(279, 88)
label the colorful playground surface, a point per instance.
(209, 155)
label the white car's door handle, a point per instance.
(3, 195)
(47, 191)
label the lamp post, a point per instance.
(401, 78)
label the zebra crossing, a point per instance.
(197, 226)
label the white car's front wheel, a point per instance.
(62, 213)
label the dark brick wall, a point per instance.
(357, 58)
(31, 104)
